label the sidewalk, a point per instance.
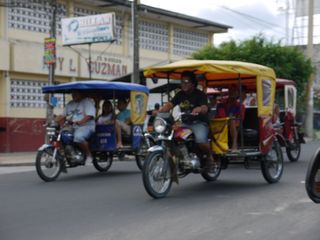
(17, 159)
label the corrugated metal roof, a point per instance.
(163, 15)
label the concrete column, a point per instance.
(4, 23)
(170, 42)
(70, 8)
(125, 35)
(6, 93)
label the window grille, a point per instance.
(28, 94)
(185, 41)
(35, 15)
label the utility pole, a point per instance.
(52, 65)
(135, 77)
(309, 117)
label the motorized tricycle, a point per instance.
(313, 178)
(288, 129)
(62, 153)
(175, 156)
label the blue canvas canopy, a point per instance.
(102, 88)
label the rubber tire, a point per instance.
(265, 164)
(313, 168)
(108, 156)
(146, 175)
(211, 178)
(139, 158)
(288, 150)
(38, 166)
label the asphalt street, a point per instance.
(87, 205)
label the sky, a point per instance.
(247, 17)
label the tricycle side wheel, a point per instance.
(156, 175)
(214, 174)
(294, 150)
(47, 167)
(143, 151)
(272, 164)
(102, 161)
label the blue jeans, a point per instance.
(200, 131)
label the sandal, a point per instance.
(119, 145)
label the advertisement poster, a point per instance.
(49, 50)
(88, 29)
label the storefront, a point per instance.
(23, 72)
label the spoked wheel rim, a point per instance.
(102, 161)
(143, 151)
(272, 165)
(294, 149)
(47, 166)
(214, 173)
(159, 174)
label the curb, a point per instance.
(17, 164)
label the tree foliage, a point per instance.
(288, 62)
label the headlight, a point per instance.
(159, 125)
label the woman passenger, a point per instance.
(108, 117)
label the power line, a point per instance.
(256, 20)
(251, 17)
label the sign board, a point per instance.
(88, 29)
(49, 50)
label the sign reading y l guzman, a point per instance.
(88, 29)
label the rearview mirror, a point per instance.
(313, 177)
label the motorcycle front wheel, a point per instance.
(156, 175)
(272, 164)
(48, 168)
(102, 161)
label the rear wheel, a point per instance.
(156, 175)
(143, 151)
(294, 148)
(48, 168)
(272, 164)
(214, 174)
(102, 161)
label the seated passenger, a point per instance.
(123, 117)
(276, 113)
(231, 108)
(108, 117)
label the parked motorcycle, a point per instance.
(175, 156)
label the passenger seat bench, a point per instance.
(250, 127)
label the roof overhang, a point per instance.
(162, 15)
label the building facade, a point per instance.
(164, 36)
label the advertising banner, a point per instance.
(88, 29)
(49, 50)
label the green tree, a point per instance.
(288, 62)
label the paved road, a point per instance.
(86, 205)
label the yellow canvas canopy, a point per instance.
(222, 73)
